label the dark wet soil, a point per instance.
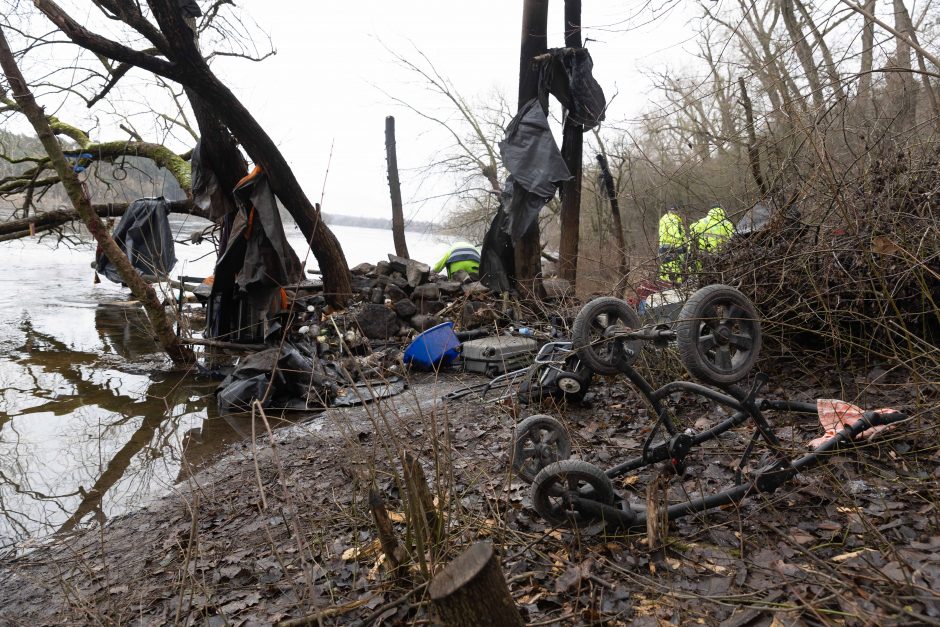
(279, 528)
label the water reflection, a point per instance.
(88, 435)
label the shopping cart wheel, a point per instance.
(540, 440)
(555, 487)
(592, 335)
(718, 335)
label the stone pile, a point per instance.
(403, 295)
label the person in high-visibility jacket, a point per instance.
(461, 256)
(672, 247)
(713, 231)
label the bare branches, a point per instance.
(101, 45)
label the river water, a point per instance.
(93, 421)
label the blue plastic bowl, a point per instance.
(436, 346)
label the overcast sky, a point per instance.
(325, 85)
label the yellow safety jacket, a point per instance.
(461, 256)
(672, 247)
(712, 231)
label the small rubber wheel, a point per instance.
(718, 335)
(591, 335)
(540, 440)
(555, 485)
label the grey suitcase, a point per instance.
(493, 356)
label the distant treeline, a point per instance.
(334, 219)
(144, 178)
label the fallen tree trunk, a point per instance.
(51, 219)
(159, 320)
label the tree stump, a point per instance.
(471, 591)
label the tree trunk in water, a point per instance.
(159, 320)
(610, 189)
(572, 153)
(753, 153)
(528, 249)
(471, 591)
(394, 186)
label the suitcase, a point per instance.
(497, 355)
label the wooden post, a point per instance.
(472, 592)
(528, 249)
(394, 186)
(159, 320)
(571, 152)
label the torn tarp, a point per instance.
(535, 164)
(497, 263)
(755, 219)
(207, 193)
(257, 263)
(282, 377)
(568, 76)
(145, 237)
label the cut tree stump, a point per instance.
(471, 591)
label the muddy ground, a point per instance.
(279, 528)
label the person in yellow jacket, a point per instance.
(461, 256)
(672, 247)
(713, 231)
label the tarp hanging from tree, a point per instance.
(207, 192)
(535, 164)
(568, 75)
(496, 256)
(257, 263)
(145, 237)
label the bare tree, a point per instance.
(160, 321)
(177, 57)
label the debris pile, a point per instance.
(860, 281)
(402, 296)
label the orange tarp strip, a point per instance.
(250, 176)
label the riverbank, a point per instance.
(279, 528)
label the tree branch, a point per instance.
(101, 45)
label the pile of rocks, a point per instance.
(401, 295)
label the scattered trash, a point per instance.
(496, 355)
(432, 348)
(835, 415)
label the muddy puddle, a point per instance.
(94, 421)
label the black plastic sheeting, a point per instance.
(145, 237)
(529, 152)
(497, 263)
(535, 166)
(569, 77)
(258, 261)
(297, 380)
(189, 8)
(291, 377)
(207, 192)
(755, 219)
